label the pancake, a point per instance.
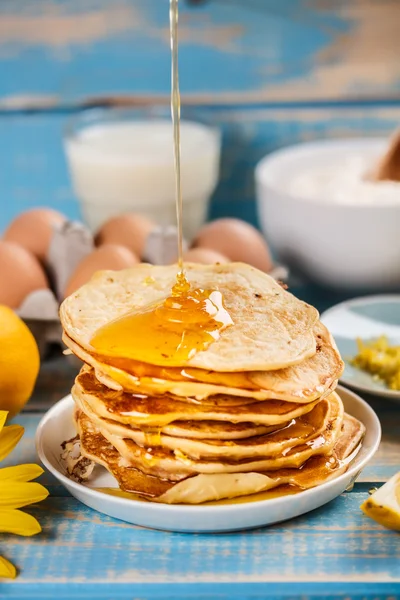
(178, 465)
(205, 487)
(305, 429)
(272, 329)
(157, 411)
(195, 430)
(309, 380)
(215, 430)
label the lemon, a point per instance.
(19, 362)
(384, 504)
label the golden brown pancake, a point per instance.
(218, 431)
(307, 429)
(315, 377)
(271, 328)
(157, 411)
(178, 465)
(215, 430)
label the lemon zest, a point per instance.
(379, 358)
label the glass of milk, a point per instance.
(122, 161)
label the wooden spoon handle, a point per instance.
(388, 167)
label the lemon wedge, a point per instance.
(384, 504)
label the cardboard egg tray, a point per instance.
(70, 243)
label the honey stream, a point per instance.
(181, 281)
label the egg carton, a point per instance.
(70, 244)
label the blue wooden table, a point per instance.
(332, 552)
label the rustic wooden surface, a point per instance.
(65, 52)
(270, 73)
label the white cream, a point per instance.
(342, 179)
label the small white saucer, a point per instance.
(57, 426)
(365, 318)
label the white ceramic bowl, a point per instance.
(57, 426)
(349, 244)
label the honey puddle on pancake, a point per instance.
(169, 332)
(174, 330)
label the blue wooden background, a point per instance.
(270, 72)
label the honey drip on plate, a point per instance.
(170, 332)
(283, 490)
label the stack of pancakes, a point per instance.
(255, 410)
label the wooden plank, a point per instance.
(336, 545)
(203, 592)
(231, 51)
(34, 171)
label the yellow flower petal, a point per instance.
(9, 438)
(7, 569)
(17, 494)
(20, 473)
(3, 417)
(18, 522)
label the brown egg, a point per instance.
(108, 256)
(204, 256)
(237, 240)
(20, 274)
(33, 230)
(128, 230)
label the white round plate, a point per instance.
(57, 426)
(365, 318)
